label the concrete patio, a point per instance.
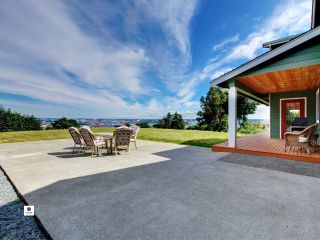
(164, 191)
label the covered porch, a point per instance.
(287, 79)
(262, 145)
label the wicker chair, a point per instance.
(122, 138)
(91, 141)
(134, 135)
(77, 138)
(301, 139)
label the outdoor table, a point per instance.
(104, 134)
(107, 137)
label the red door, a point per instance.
(290, 109)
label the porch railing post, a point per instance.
(232, 116)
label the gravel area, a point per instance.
(13, 225)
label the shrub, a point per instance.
(143, 124)
(247, 127)
(13, 121)
(193, 127)
(64, 123)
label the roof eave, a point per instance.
(267, 56)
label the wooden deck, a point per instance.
(262, 145)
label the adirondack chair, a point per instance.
(91, 141)
(134, 135)
(122, 138)
(77, 138)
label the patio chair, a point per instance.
(122, 138)
(135, 129)
(301, 139)
(123, 127)
(77, 138)
(91, 141)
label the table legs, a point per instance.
(109, 145)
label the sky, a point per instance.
(131, 59)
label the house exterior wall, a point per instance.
(275, 108)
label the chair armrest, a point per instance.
(291, 136)
(292, 133)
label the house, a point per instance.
(286, 78)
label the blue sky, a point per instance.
(133, 59)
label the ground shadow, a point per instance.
(113, 204)
(276, 164)
(79, 153)
(186, 195)
(69, 148)
(207, 142)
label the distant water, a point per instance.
(104, 122)
(266, 121)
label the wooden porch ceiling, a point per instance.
(289, 80)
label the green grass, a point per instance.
(188, 137)
(26, 136)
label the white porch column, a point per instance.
(232, 116)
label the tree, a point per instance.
(173, 121)
(245, 106)
(143, 124)
(64, 123)
(177, 121)
(13, 121)
(164, 122)
(214, 109)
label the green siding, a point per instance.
(306, 55)
(275, 108)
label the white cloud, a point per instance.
(72, 54)
(171, 58)
(44, 34)
(174, 17)
(288, 19)
(262, 112)
(48, 53)
(225, 42)
(220, 72)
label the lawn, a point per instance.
(188, 137)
